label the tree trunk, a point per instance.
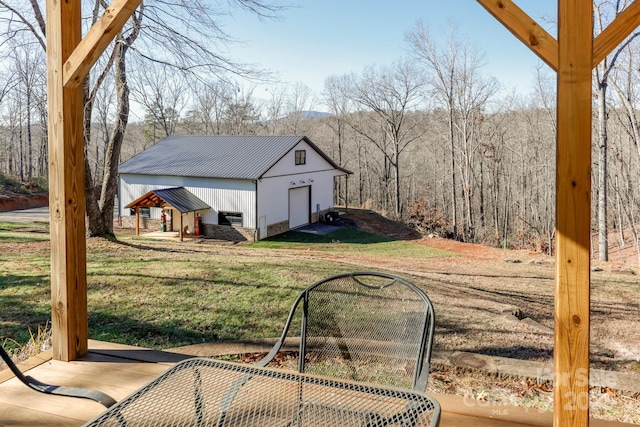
(101, 213)
(30, 168)
(396, 171)
(619, 214)
(454, 196)
(603, 239)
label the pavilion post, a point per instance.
(137, 220)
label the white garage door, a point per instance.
(299, 207)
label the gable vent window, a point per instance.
(301, 157)
(230, 218)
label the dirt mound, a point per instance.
(372, 222)
(15, 202)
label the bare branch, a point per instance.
(28, 23)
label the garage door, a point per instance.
(299, 207)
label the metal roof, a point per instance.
(178, 198)
(232, 157)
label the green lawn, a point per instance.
(155, 294)
(19, 232)
(349, 240)
(165, 294)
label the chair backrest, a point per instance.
(364, 326)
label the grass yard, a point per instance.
(349, 241)
(163, 294)
(16, 232)
(345, 240)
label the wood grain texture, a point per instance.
(525, 29)
(15, 415)
(69, 58)
(573, 214)
(66, 186)
(90, 48)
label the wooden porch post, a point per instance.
(69, 58)
(573, 56)
(66, 187)
(573, 213)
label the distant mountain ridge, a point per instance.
(314, 114)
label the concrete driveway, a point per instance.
(317, 228)
(26, 215)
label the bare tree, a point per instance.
(392, 93)
(627, 153)
(240, 111)
(443, 66)
(275, 109)
(209, 103)
(602, 73)
(339, 104)
(28, 66)
(6, 156)
(103, 116)
(455, 82)
(161, 92)
(297, 103)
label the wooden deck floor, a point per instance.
(118, 370)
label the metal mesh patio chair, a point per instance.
(363, 326)
(36, 385)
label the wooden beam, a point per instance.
(97, 39)
(137, 220)
(525, 29)
(616, 32)
(66, 187)
(573, 213)
(69, 59)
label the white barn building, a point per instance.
(234, 187)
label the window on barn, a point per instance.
(230, 218)
(144, 212)
(301, 157)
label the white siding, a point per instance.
(224, 195)
(273, 188)
(287, 165)
(273, 193)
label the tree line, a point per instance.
(430, 138)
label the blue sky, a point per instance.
(319, 38)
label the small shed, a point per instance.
(178, 200)
(251, 187)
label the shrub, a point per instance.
(10, 184)
(428, 219)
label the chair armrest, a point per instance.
(84, 393)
